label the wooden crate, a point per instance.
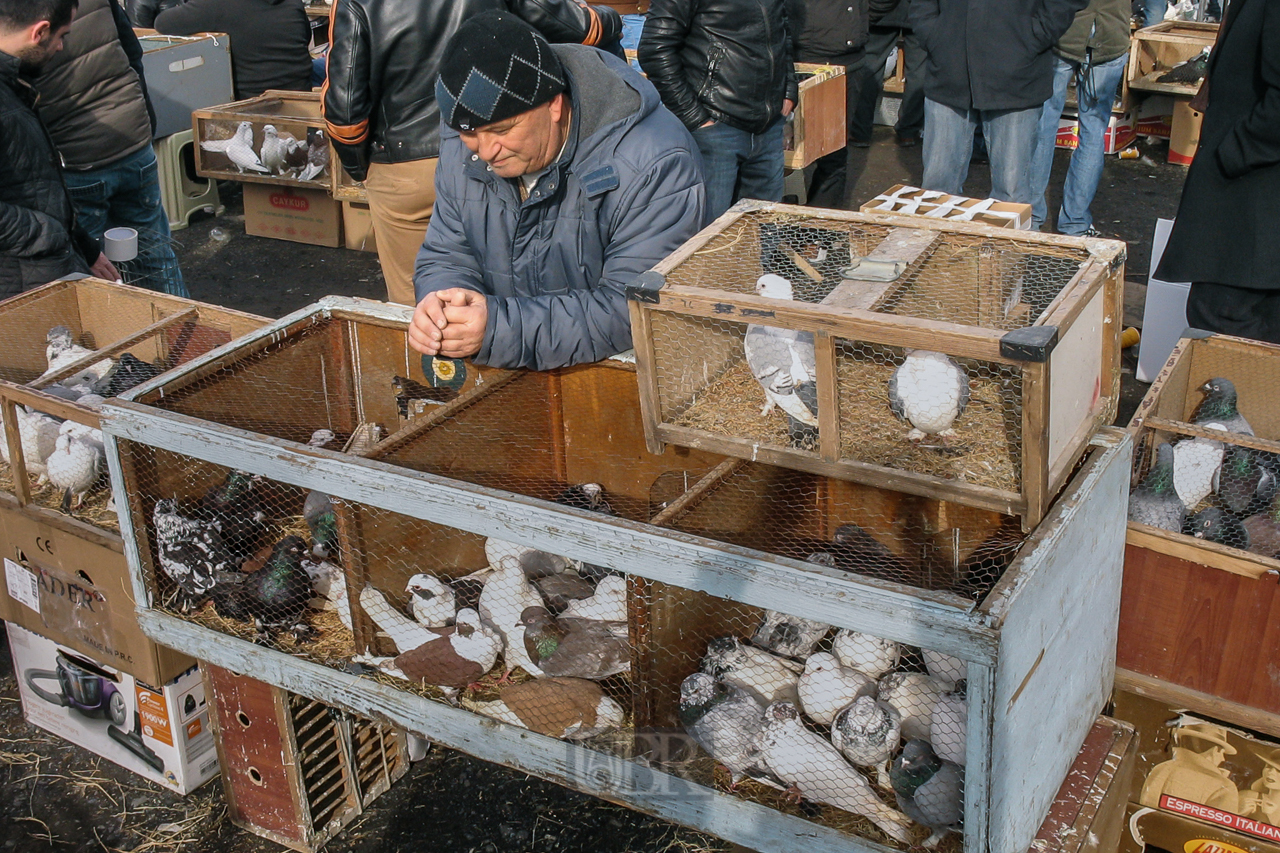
(1088, 815)
(1038, 640)
(294, 770)
(818, 126)
(1155, 50)
(293, 113)
(342, 187)
(1033, 319)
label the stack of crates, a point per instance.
(680, 579)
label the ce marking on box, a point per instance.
(44, 545)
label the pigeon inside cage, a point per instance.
(295, 151)
(1215, 490)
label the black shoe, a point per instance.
(910, 140)
(860, 143)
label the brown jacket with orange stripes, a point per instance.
(384, 55)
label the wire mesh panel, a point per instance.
(1207, 463)
(66, 347)
(276, 138)
(905, 352)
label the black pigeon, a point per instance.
(856, 550)
(274, 597)
(236, 504)
(1245, 485)
(1155, 501)
(1213, 524)
(588, 496)
(1190, 72)
(191, 552)
(407, 389)
(1219, 407)
(128, 372)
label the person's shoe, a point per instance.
(1088, 232)
(860, 143)
(910, 140)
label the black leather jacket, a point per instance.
(380, 96)
(720, 60)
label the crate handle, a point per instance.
(645, 287)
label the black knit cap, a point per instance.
(495, 66)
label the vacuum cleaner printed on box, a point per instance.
(163, 735)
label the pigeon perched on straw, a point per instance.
(275, 597)
(929, 391)
(725, 720)
(929, 789)
(825, 687)
(73, 468)
(783, 362)
(567, 708)
(190, 551)
(867, 731)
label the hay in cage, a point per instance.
(94, 508)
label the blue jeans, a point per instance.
(738, 164)
(948, 145)
(1095, 92)
(1153, 12)
(127, 194)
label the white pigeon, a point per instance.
(462, 655)
(536, 564)
(239, 149)
(1197, 462)
(811, 764)
(61, 350)
(39, 434)
(770, 677)
(869, 654)
(84, 433)
(913, 695)
(329, 582)
(404, 633)
(929, 391)
(789, 635)
(73, 468)
(274, 147)
(944, 667)
(867, 732)
(783, 362)
(825, 687)
(506, 594)
(431, 600)
(607, 604)
(950, 725)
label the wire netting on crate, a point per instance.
(146, 258)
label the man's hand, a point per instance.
(103, 268)
(450, 323)
(787, 106)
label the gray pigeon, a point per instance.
(580, 649)
(783, 362)
(1155, 501)
(868, 732)
(1219, 406)
(1213, 524)
(789, 635)
(929, 391)
(1245, 485)
(930, 790)
(724, 720)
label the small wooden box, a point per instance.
(1155, 50)
(1033, 319)
(1088, 815)
(296, 114)
(342, 187)
(294, 770)
(818, 125)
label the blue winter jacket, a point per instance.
(626, 192)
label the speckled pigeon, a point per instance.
(783, 362)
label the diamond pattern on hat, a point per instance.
(480, 95)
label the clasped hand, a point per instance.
(449, 323)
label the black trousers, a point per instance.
(1229, 310)
(880, 43)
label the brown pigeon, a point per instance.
(570, 708)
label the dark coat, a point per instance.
(626, 192)
(39, 238)
(380, 94)
(990, 54)
(827, 28)
(1228, 226)
(720, 60)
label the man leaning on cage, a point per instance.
(93, 100)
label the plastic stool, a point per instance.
(181, 191)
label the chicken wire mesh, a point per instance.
(47, 341)
(1207, 463)
(153, 263)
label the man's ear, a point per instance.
(39, 32)
(558, 105)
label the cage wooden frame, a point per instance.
(819, 125)
(1152, 48)
(307, 106)
(1050, 409)
(1039, 647)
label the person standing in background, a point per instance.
(1093, 52)
(725, 69)
(380, 105)
(270, 39)
(889, 21)
(834, 32)
(1226, 239)
(93, 100)
(989, 64)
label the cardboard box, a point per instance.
(161, 734)
(357, 227)
(76, 591)
(185, 73)
(903, 199)
(1184, 137)
(292, 213)
(1120, 133)
(1155, 116)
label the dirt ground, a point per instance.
(55, 796)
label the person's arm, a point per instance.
(923, 14)
(666, 27)
(1254, 142)
(1053, 19)
(133, 50)
(788, 56)
(143, 12)
(193, 16)
(570, 21)
(347, 102)
(27, 233)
